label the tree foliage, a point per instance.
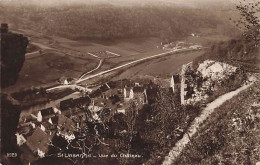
(114, 22)
(249, 20)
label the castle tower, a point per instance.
(183, 85)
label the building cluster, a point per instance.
(116, 95)
(179, 46)
(66, 81)
(195, 35)
(38, 129)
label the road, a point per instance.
(73, 86)
(113, 53)
(41, 46)
(38, 52)
(131, 63)
(99, 65)
(182, 143)
(81, 79)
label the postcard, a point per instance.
(130, 82)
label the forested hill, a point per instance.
(109, 22)
(237, 52)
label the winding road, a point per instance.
(81, 79)
(99, 65)
(130, 63)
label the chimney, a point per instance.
(4, 28)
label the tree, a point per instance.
(131, 114)
(249, 20)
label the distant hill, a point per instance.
(113, 22)
(62, 3)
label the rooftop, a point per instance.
(38, 140)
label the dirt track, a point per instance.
(181, 144)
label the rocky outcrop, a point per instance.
(13, 49)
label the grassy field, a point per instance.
(124, 47)
(48, 68)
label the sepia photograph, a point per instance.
(130, 82)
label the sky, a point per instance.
(48, 3)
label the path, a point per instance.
(81, 79)
(99, 65)
(42, 46)
(73, 86)
(181, 144)
(113, 53)
(37, 53)
(130, 63)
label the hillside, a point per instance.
(236, 52)
(110, 22)
(230, 135)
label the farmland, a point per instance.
(51, 57)
(49, 68)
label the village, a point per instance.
(38, 129)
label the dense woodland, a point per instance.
(110, 22)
